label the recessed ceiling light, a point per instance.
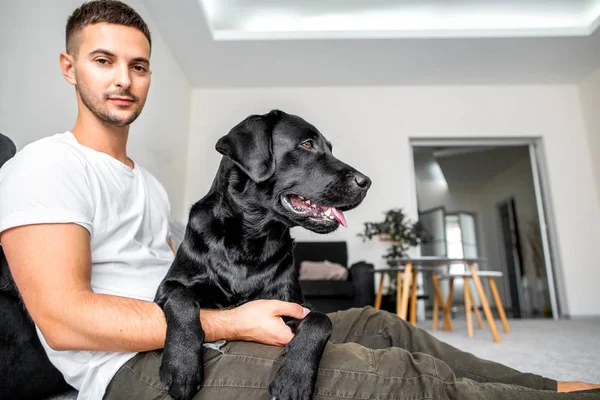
(351, 19)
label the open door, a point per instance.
(468, 229)
(435, 224)
(512, 253)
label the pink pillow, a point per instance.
(323, 270)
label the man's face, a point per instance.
(112, 72)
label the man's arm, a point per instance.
(51, 266)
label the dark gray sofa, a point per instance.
(333, 295)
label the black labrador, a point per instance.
(277, 172)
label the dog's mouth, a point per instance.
(308, 208)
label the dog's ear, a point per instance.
(248, 145)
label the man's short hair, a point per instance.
(97, 11)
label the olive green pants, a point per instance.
(371, 355)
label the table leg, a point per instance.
(399, 294)
(499, 304)
(437, 300)
(467, 294)
(413, 300)
(448, 307)
(476, 309)
(405, 290)
(484, 303)
(379, 292)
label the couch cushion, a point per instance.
(336, 252)
(7, 149)
(322, 270)
(327, 288)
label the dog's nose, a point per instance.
(362, 181)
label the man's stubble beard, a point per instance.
(102, 112)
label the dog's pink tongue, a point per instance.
(339, 216)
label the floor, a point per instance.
(561, 350)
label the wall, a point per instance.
(433, 190)
(589, 92)
(371, 126)
(35, 100)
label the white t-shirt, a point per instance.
(57, 180)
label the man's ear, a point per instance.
(249, 146)
(67, 66)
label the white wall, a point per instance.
(35, 100)
(371, 126)
(589, 91)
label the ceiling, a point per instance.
(468, 167)
(360, 19)
(266, 43)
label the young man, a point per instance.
(85, 231)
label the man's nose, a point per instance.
(123, 78)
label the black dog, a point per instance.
(277, 172)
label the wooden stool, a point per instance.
(470, 300)
(406, 287)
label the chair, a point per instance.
(470, 300)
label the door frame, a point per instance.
(546, 215)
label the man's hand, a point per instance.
(260, 321)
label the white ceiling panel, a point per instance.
(356, 19)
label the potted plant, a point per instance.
(397, 229)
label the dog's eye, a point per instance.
(308, 144)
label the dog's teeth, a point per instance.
(328, 212)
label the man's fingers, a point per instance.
(284, 308)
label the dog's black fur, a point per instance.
(238, 248)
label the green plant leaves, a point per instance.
(398, 230)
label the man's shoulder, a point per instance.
(58, 142)
(58, 147)
(49, 153)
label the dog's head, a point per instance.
(290, 164)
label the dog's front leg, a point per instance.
(181, 369)
(297, 376)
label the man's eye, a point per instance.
(139, 68)
(102, 61)
(308, 144)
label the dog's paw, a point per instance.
(291, 384)
(182, 372)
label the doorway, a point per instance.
(485, 198)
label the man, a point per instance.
(85, 232)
